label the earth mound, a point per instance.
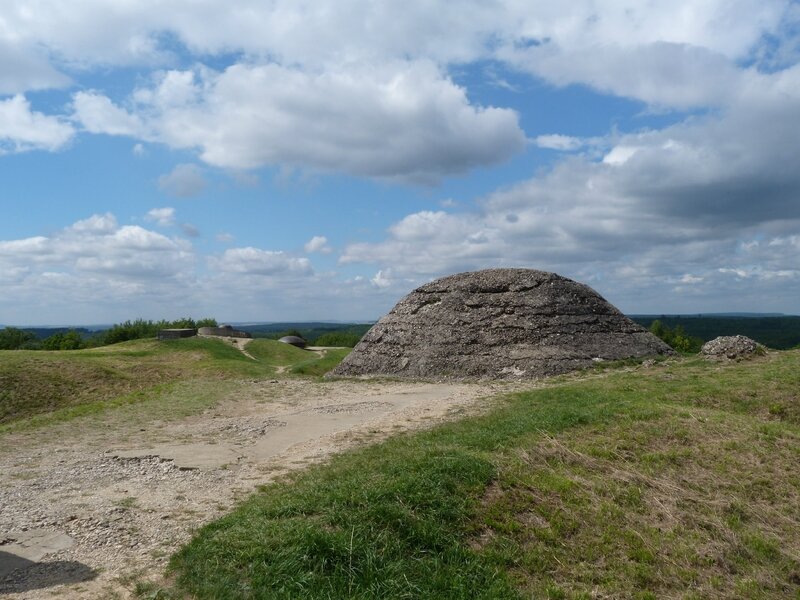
(731, 347)
(499, 324)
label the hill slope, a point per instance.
(780, 333)
(677, 480)
(38, 382)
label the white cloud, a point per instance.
(22, 129)
(363, 88)
(318, 243)
(556, 141)
(679, 205)
(225, 237)
(370, 89)
(619, 155)
(382, 279)
(403, 120)
(98, 114)
(352, 30)
(255, 261)
(184, 181)
(98, 270)
(164, 217)
(650, 51)
(99, 246)
(138, 150)
(95, 225)
(24, 69)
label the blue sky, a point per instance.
(301, 161)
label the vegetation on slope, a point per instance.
(34, 383)
(59, 338)
(774, 332)
(674, 481)
(316, 334)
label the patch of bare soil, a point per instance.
(118, 500)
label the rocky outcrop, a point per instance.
(731, 347)
(498, 323)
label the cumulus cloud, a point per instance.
(639, 46)
(255, 261)
(99, 246)
(24, 69)
(382, 279)
(362, 88)
(556, 141)
(354, 30)
(404, 120)
(98, 114)
(682, 206)
(370, 89)
(99, 270)
(318, 243)
(164, 217)
(184, 181)
(23, 129)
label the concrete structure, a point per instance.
(294, 341)
(174, 334)
(223, 331)
(498, 324)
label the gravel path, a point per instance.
(89, 507)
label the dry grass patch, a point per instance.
(691, 504)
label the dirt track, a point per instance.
(88, 507)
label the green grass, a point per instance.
(318, 366)
(38, 387)
(275, 353)
(678, 481)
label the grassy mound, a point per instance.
(674, 481)
(38, 382)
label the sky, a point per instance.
(279, 160)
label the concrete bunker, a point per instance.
(294, 340)
(175, 334)
(223, 331)
(498, 324)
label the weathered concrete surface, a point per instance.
(24, 548)
(499, 324)
(187, 456)
(175, 334)
(294, 341)
(223, 331)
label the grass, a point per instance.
(678, 481)
(317, 367)
(38, 387)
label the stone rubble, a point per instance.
(731, 347)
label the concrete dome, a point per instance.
(293, 340)
(498, 323)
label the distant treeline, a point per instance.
(780, 333)
(12, 338)
(50, 338)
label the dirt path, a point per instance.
(239, 343)
(88, 507)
